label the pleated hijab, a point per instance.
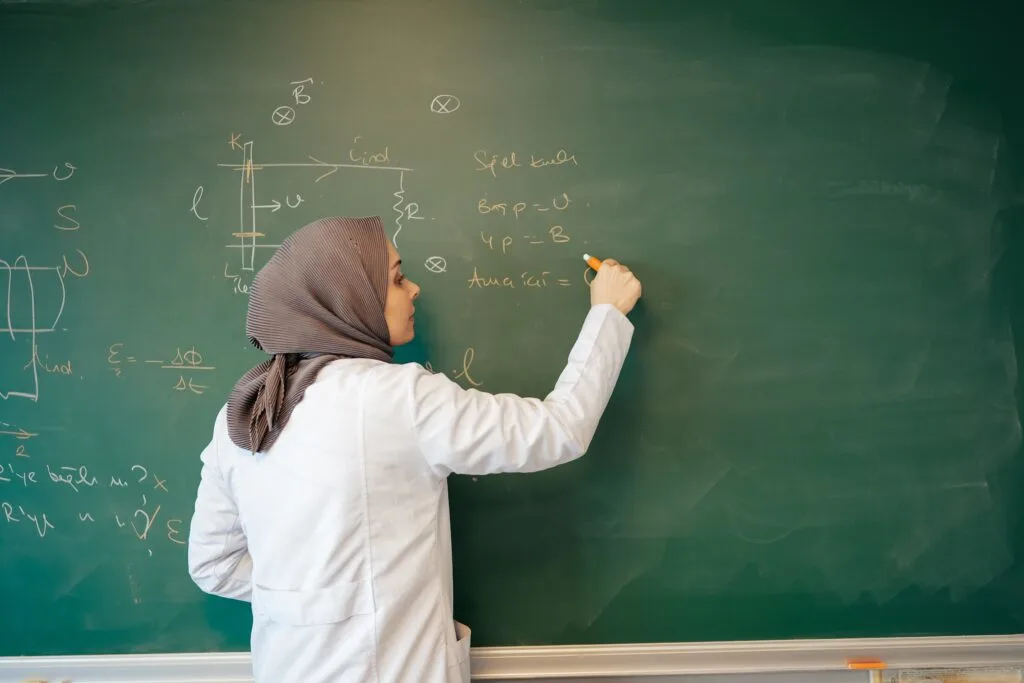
(319, 298)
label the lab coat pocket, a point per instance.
(314, 606)
(462, 649)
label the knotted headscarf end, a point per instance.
(319, 298)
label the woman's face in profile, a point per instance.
(399, 308)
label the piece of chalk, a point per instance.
(865, 664)
(592, 261)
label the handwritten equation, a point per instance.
(514, 223)
(184, 362)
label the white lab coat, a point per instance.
(339, 535)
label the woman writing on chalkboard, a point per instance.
(323, 497)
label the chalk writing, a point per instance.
(275, 205)
(462, 373)
(506, 241)
(196, 198)
(190, 359)
(20, 433)
(62, 174)
(17, 514)
(284, 115)
(70, 224)
(408, 211)
(63, 368)
(174, 531)
(555, 235)
(436, 264)
(78, 477)
(81, 268)
(492, 163)
(182, 385)
(251, 237)
(526, 279)
(506, 209)
(185, 361)
(59, 174)
(445, 104)
(530, 280)
(26, 315)
(239, 286)
(299, 89)
(146, 521)
(481, 282)
(561, 157)
(71, 476)
(368, 158)
(26, 477)
(515, 208)
(141, 522)
(467, 363)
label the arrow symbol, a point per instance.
(333, 167)
(9, 174)
(274, 206)
(20, 434)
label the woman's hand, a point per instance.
(615, 284)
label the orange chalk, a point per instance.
(864, 664)
(592, 261)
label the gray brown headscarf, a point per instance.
(320, 297)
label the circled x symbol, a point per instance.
(283, 115)
(436, 264)
(445, 104)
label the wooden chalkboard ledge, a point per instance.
(817, 660)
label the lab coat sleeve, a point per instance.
(467, 431)
(218, 553)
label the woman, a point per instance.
(323, 497)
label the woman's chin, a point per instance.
(404, 339)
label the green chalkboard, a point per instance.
(817, 433)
